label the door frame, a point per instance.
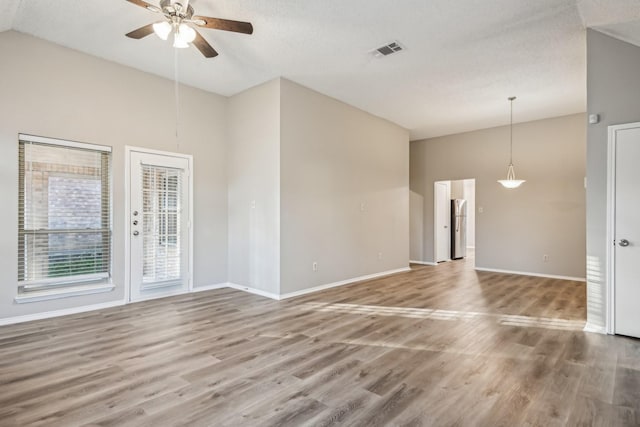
(610, 278)
(127, 208)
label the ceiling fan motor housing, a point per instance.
(174, 9)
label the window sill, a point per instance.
(64, 293)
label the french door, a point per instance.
(158, 225)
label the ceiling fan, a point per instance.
(179, 19)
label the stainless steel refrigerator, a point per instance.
(458, 228)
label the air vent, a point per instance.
(388, 49)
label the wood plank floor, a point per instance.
(435, 346)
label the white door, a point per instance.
(158, 225)
(626, 230)
(442, 231)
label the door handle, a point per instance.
(135, 233)
(623, 242)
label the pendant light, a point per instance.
(511, 181)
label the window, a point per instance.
(161, 200)
(64, 214)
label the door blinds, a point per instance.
(161, 216)
(64, 214)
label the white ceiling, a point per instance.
(463, 58)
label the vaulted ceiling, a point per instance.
(462, 58)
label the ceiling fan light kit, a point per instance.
(511, 181)
(162, 29)
(183, 35)
(179, 20)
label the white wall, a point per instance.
(544, 216)
(53, 91)
(344, 191)
(457, 189)
(613, 92)
(254, 187)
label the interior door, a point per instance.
(158, 225)
(442, 232)
(627, 232)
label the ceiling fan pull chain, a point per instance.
(176, 92)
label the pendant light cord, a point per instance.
(176, 93)
(511, 99)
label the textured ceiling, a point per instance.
(463, 58)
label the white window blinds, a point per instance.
(64, 218)
(161, 216)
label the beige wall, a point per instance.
(329, 181)
(517, 227)
(469, 194)
(237, 144)
(344, 191)
(52, 91)
(613, 92)
(254, 187)
(416, 226)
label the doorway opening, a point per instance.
(454, 220)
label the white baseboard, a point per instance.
(423, 263)
(253, 291)
(590, 327)
(58, 313)
(343, 282)
(526, 273)
(210, 287)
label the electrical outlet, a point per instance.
(545, 258)
(379, 255)
(314, 266)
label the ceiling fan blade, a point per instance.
(146, 5)
(141, 32)
(223, 24)
(204, 47)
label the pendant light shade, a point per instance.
(511, 181)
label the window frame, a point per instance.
(79, 284)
